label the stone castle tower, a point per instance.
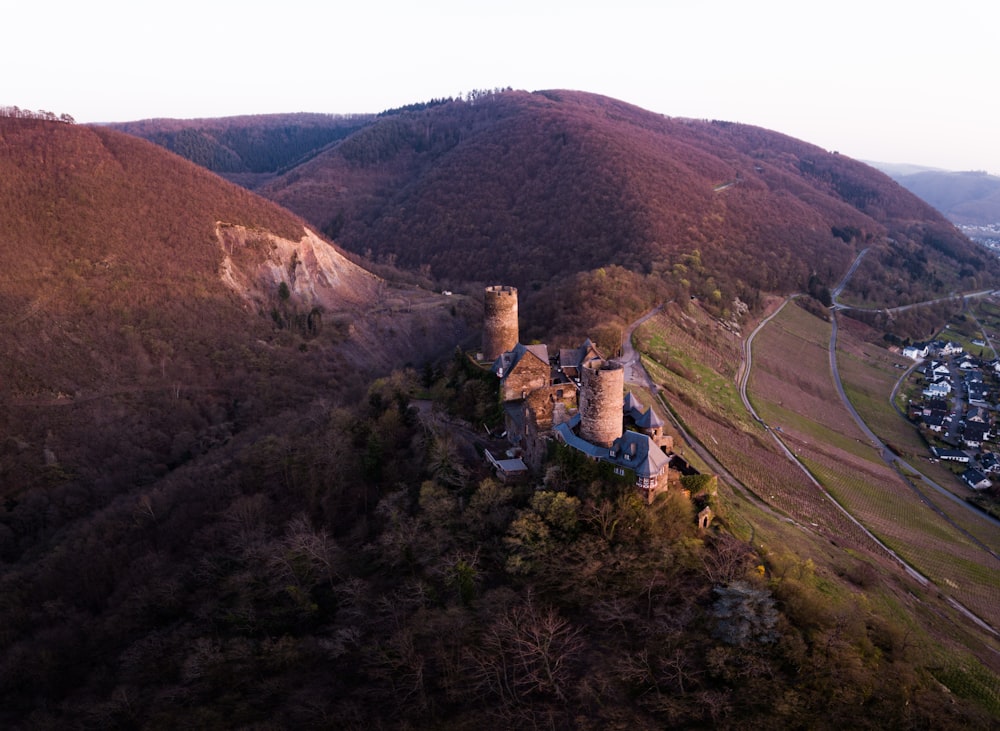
(601, 394)
(500, 332)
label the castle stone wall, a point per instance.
(601, 394)
(500, 332)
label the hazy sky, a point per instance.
(886, 80)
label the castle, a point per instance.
(576, 397)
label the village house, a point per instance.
(978, 414)
(938, 369)
(934, 404)
(935, 422)
(975, 434)
(950, 455)
(978, 394)
(938, 388)
(989, 463)
(976, 479)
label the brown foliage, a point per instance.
(528, 188)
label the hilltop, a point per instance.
(570, 192)
(532, 188)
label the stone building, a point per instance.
(577, 398)
(535, 395)
(648, 422)
(521, 370)
(572, 360)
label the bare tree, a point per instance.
(528, 651)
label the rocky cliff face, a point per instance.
(256, 263)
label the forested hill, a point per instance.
(141, 306)
(248, 149)
(528, 187)
(970, 198)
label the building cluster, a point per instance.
(575, 396)
(956, 411)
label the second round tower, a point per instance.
(602, 388)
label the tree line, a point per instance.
(15, 112)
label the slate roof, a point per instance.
(976, 479)
(632, 450)
(975, 431)
(643, 418)
(649, 420)
(509, 360)
(574, 358)
(955, 455)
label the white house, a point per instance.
(938, 389)
(976, 479)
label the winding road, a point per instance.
(636, 373)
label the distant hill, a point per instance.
(247, 149)
(969, 198)
(597, 208)
(538, 188)
(146, 304)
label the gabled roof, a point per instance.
(649, 420)
(976, 479)
(988, 460)
(632, 450)
(506, 362)
(975, 431)
(643, 418)
(933, 419)
(952, 454)
(640, 454)
(576, 357)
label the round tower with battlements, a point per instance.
(500, 321)
(601, 396)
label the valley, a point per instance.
(243, 473)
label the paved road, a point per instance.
(744, 375)
(637, 375)
(902, 467)
(887, 455)
(635, 372)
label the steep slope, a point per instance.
(528, 188)
(148, 308)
